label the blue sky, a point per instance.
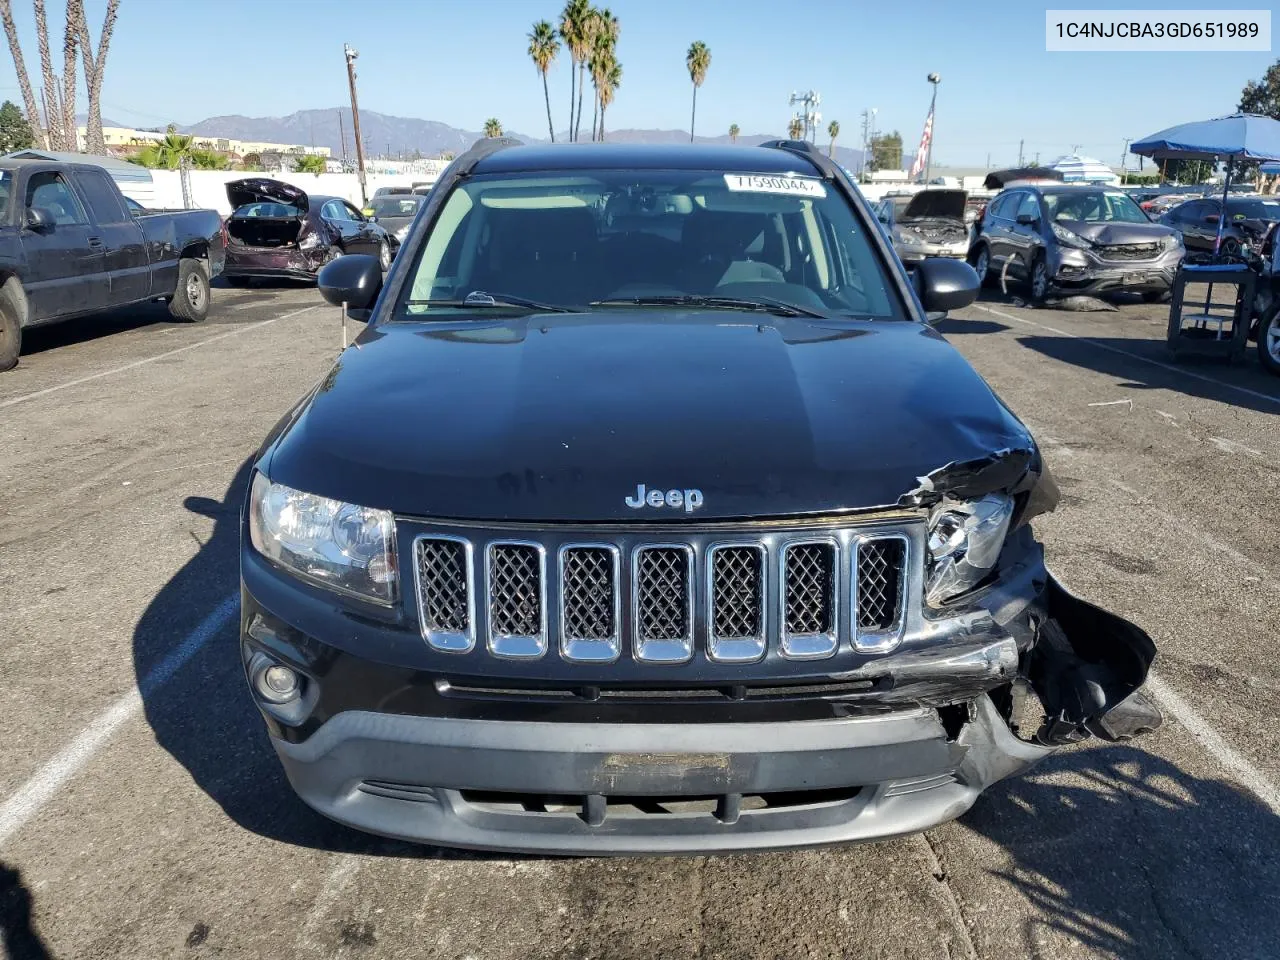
(460, 62)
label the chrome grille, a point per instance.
(809, 599)
(880, 583)
(517, 626)
(444, 592)
(663, 603)
(736, 592)
(808, 595)
(1129, 251)
(589, 603)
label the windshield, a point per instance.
(1254, 209)
(1094, 206)
(267, 209)
(570, 241)
(396, 206)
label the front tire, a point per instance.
(1269, 341)
(384, 256)
(1038, 280)
(980, 260)
(191, 296)
(10, 325)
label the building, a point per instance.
(127, 139)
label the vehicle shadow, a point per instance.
(94, 327)
(1212, 379)
(18, 938)
(953, 325)
(1126, 854)
(203, 715)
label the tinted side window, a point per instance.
(103, 197)
(51, 192)
(1004, 205)
(1030, 206)
(333, 210)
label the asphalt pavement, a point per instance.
(143, 814)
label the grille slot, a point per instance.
(589, 603)
(809, 599)
(517, 611)
(879, 594)
(445, 593)
(663, 591)
(735, 578)
(1129, 251)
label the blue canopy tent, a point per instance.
(1241, 136)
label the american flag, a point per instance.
(922, 154)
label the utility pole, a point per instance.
(988, 159)
(351, 55)
(1124, 152)
(934, 79)
(1037, 158)
(1020, 142)
(342, 134)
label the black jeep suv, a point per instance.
(649, 514)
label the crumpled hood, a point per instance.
(1113, 233)
(561, 417)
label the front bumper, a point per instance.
(1080, 271)
(915, 252)
(895, 745)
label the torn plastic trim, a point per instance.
(1088, 667)
(1019, 472)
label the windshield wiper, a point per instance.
(478, 298)
(767, 304)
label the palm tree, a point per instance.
(698, 60)
(795, 129)
(166, 154)
(574, 19)
(70, 44)
(612, 80)
(543, 49)
(52, 114)
(20, 68)
(833, 131)
(733, 132)
(310, 163)
(492, 128)
(94, 69)
(604, 56)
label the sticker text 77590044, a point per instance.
(758, 183)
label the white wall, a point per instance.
(208, 187)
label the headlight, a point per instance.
(1065, 236)
(908, 236)
(402, 233)
(338, 545)
(965, 540)
(1173, 241)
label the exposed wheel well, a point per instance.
(19, 298)
(198, 250)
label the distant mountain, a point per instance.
(385, 134)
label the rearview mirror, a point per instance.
(1028, 219)
(944, 284)
(39, 219)
(356, 280)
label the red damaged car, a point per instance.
(279, 230)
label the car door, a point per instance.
(124, 249)
(997, 228)
(65, 273)
(1194, 218)
(1024, 233)
(335, 215)
(367, 235)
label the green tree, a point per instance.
(611, 81)
(544, 46)
(492, 127)
(833, 131)
(734, 130)
(251, 161)
(886, 151)
(604, 32)
(164, 154)
(15, 132)
(575, 27)
(208, 160)
(1187, 171)
(1263, 96)
(310, 163)
(698, 60)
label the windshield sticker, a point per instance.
(793, 186)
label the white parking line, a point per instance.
(46, 782)
(1256, 394)
(159, 356)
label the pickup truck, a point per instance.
(70, 245)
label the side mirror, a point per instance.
(1028, 219)
(1212, 218)
(40, 220)
(356, 280)
(944, 284)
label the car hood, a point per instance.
(936, 205)
(1113, 233)
(392, 224)
(264, 189)
(559, 417)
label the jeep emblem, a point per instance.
(690, 499)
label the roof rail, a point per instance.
(482, 148)
(807, 150)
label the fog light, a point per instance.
(278, 683)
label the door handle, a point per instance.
(95, 242)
